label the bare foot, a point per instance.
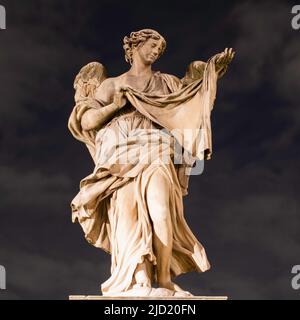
(141, 285)
(178, 292)
(141, 277)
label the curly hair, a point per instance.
(137, 38)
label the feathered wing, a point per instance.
(86, 83)
(88, 80)
(195, 71)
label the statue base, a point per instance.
(78, 297)
(148, 293)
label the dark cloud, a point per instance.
(243, 208)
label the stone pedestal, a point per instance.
(78, 297)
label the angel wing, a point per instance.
(86, 83)
(195, 71)
(88, 80)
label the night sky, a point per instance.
(244, 208)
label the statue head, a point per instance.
(138, 39)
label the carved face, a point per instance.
(150, 50)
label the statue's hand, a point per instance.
(224, 58)
(120, 99)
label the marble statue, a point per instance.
(131, 205)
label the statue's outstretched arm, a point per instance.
(223, 59)
(195, 69)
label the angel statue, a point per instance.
(131, 205)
